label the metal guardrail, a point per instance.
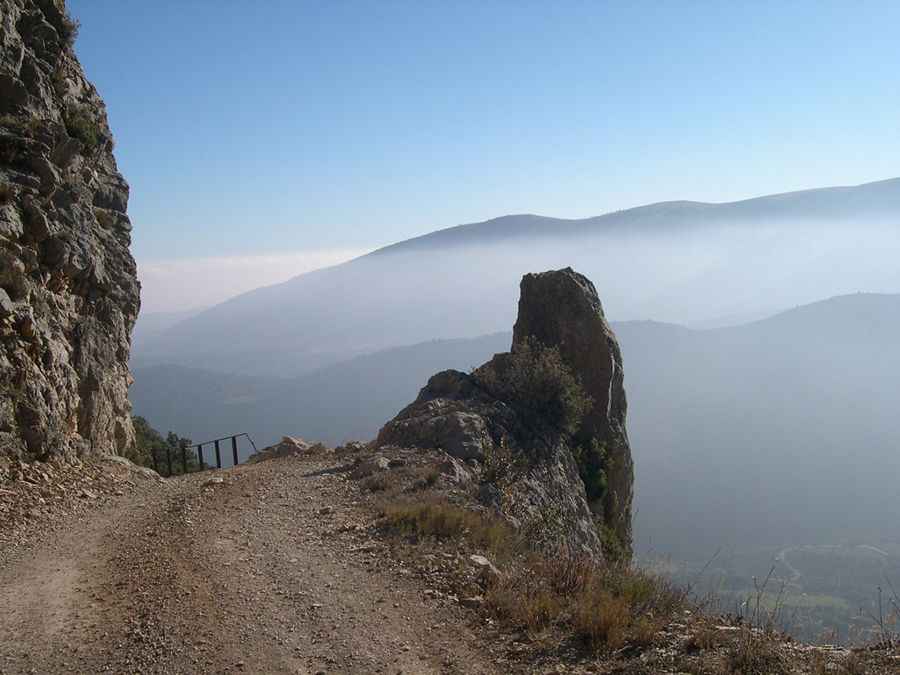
(215, 442)
(199, 448)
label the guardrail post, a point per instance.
(234, 450)
(218, 456)
(200, 455)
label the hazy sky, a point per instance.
(260, 128)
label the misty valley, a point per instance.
(762, 416)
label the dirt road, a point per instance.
(269, 571)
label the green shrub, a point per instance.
(82, 125)
(23, 125)
(592, 464)
(151, 449)
(537, 383)
(69, 29)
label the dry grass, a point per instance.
(755, 653)
(705, 639)
(378, 482)
(605, 606)
(423, 477)
(852, 664)
(819, 665)
(441, 520)
(612, 611)
(408, 479)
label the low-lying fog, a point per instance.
(421, 293)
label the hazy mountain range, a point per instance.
(778, 431)
(775, 431)
(680, 262)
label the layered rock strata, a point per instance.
(69, 293)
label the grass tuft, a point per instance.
(755, 653)
(378, 482)
(82, 125)
(605, 606)
(444, 521)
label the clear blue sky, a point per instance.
(259, 127)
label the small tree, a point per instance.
(538, 384)
(152, 450)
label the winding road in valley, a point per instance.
(796, 574)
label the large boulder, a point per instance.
(69, 293)
(450, 413)
(288, 446)
(542, 478)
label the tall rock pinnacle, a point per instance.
(569, 483)
(562, 309)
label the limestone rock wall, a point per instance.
(69, 293)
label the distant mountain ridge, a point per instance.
(725, 424)
(673, 261)
(866, 200)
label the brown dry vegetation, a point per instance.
(574, 612)
(604, 606)
(442, 520)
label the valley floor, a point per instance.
(268, 571)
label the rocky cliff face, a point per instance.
(69, 294)
(557, 464)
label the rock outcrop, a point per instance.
(69, 293)
(286, 447)
(559, 465)
(563, 309)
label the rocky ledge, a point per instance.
(69, 293)
(542, 425)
